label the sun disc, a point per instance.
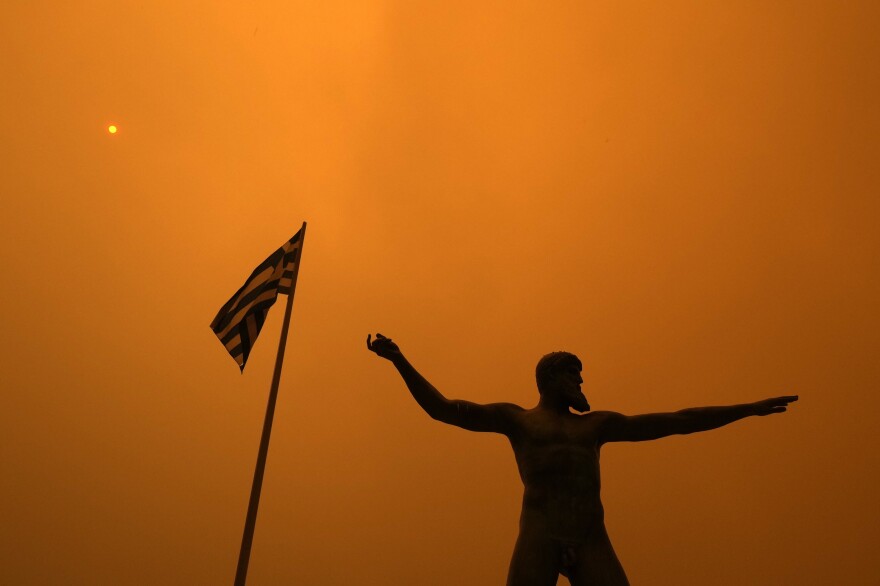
(112, 129)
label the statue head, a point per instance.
(558, 375)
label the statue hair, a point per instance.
(552, 363)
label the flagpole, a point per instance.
(251, 520)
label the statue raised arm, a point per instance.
(495, 417)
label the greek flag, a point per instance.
(239, 321)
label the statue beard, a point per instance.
(578, 402)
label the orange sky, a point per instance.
(683, 193)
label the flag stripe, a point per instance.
(268, 263)
(240, 313)
(252, 288)
(245, 295)
(239, 356)
(239, 321)
(233, 342)
(251, 326)
(234, 330)
(246, 300)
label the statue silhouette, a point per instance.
(562, 526)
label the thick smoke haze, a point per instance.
(685, 194)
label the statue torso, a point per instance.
(558, 460)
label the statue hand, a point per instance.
(384, 347)
(774, 405)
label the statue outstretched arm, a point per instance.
(495, 417)
(635, 428)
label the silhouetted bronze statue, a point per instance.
(562, 526)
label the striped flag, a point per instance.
(239, 321)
